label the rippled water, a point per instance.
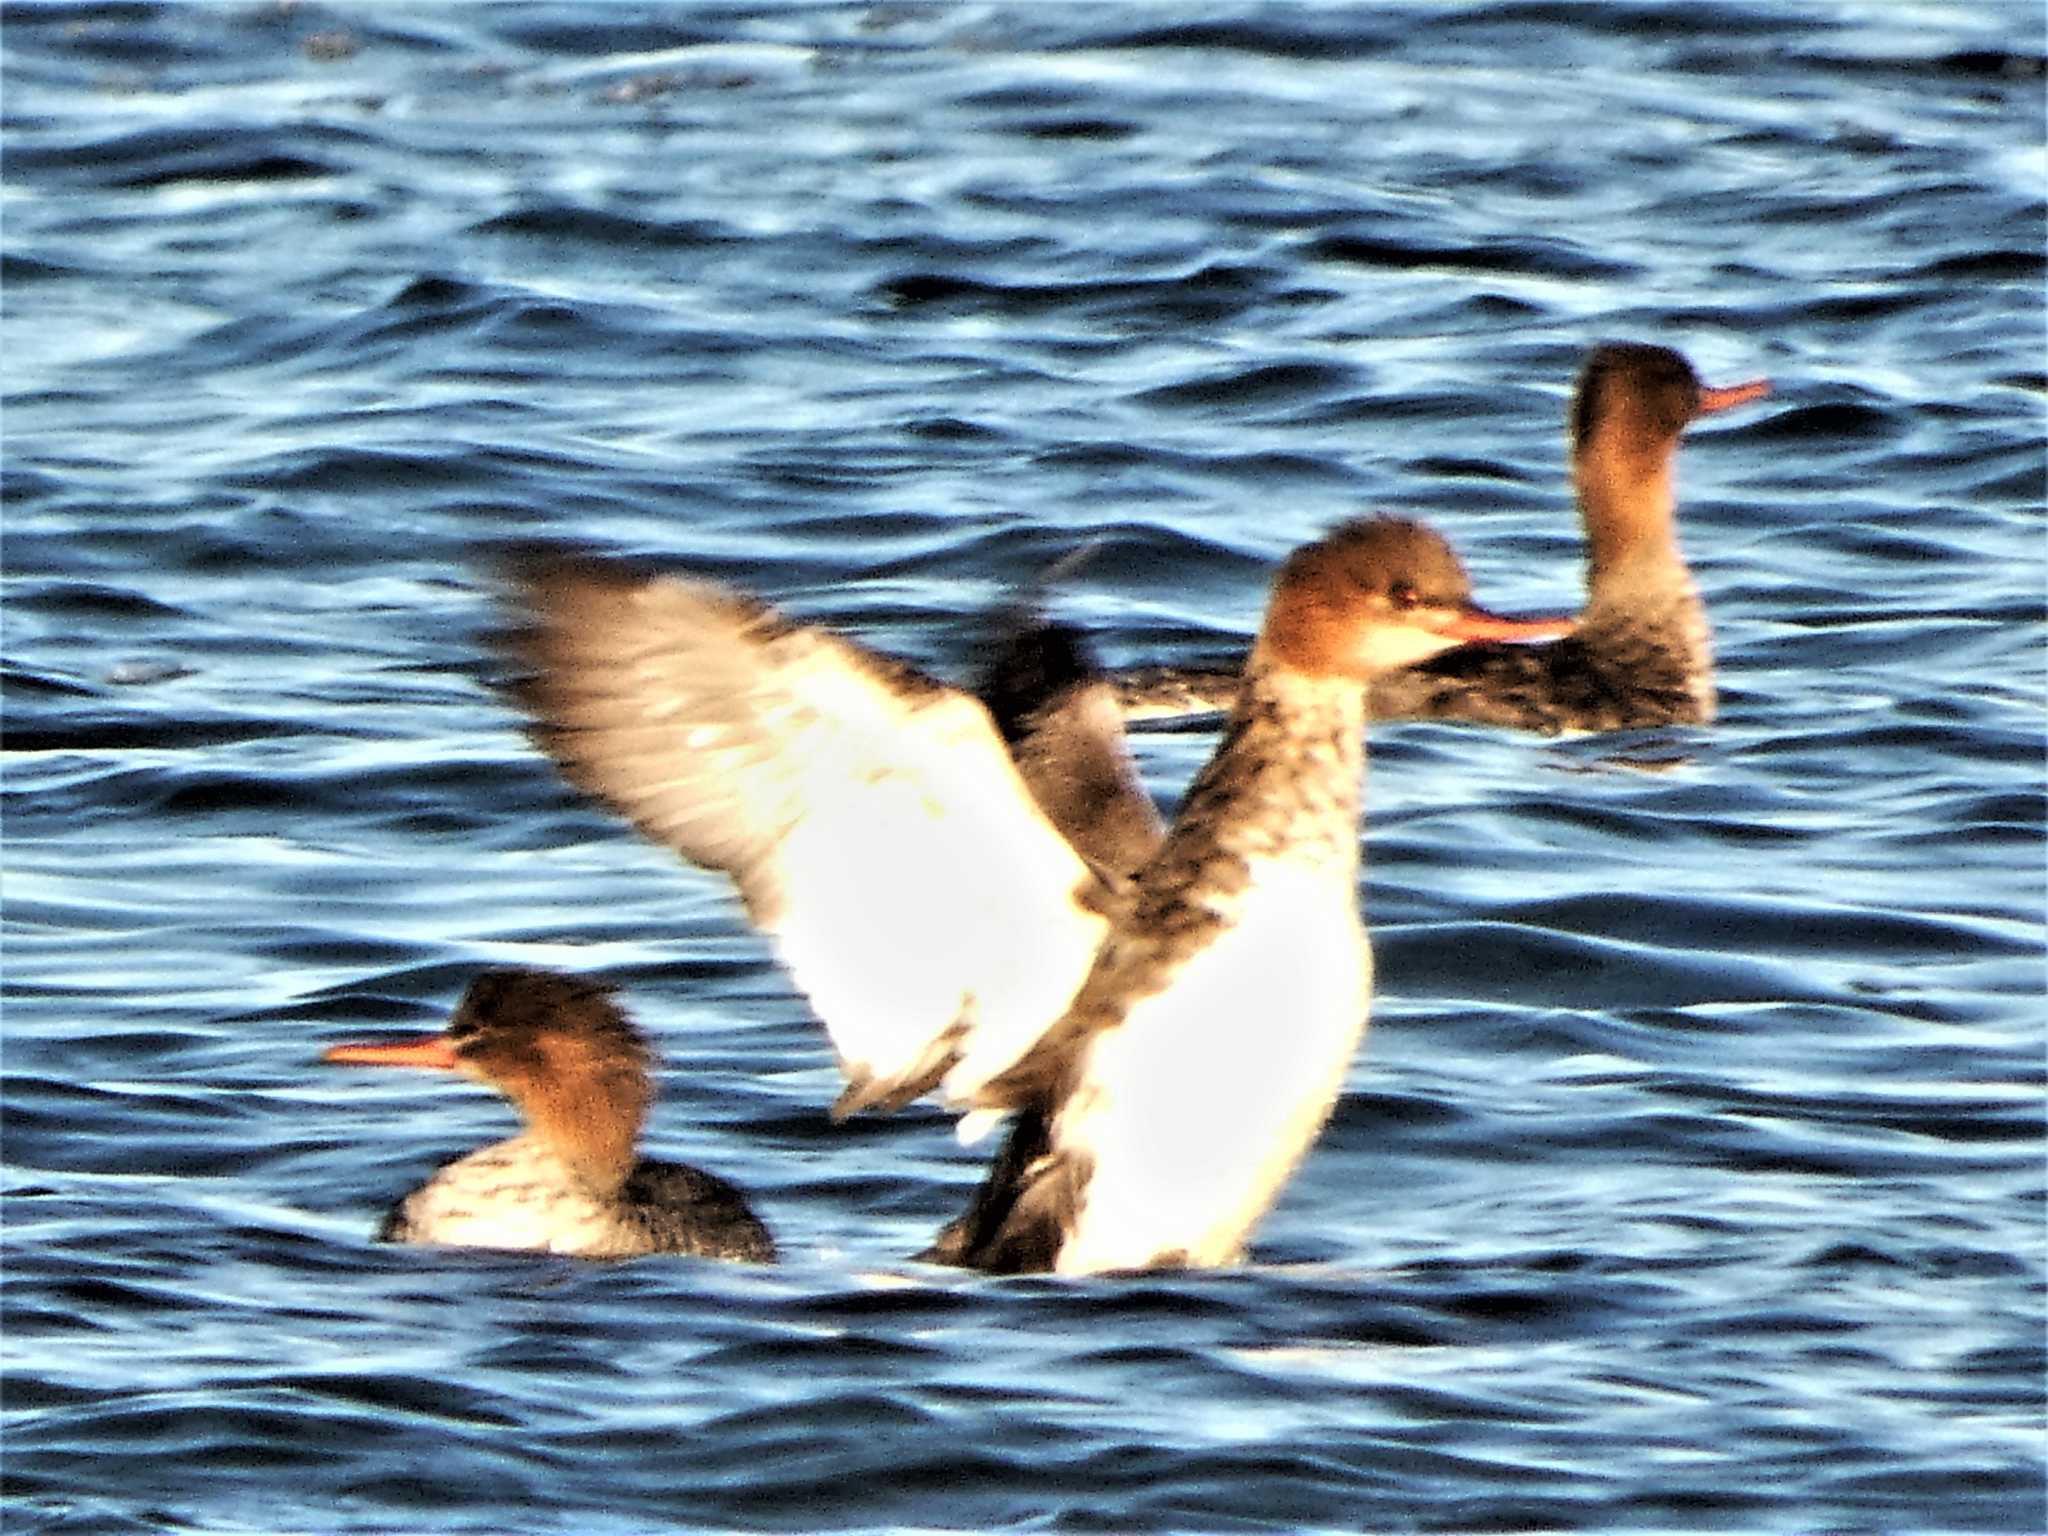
(1692, 1177)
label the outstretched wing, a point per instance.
(1060, 720)
(870, 816)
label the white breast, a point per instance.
(514, 1194)
(1195, 1110)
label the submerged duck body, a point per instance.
(565, 1053)
(1642, 654)
(519, 1194)
(972, 949)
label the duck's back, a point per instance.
(686, 1210)
(1630, 666)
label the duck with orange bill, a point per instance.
(564, 1052)
(1643, 652)
(1184, 1032)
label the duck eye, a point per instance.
(1403, 596)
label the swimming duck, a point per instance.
(1642, 654)
(565, 1053)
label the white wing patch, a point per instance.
(871, 817)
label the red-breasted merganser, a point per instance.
(940, 925)
(1642, 654)
(565, 1053)
(1208, 1043)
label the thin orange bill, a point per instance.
(1477, 624)
(420, 1051)
(1731, 395)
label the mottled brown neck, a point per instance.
(1288, 778)
(591, 1119)
(1628, 501)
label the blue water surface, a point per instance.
(1692, 1177)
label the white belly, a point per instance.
(1194, 1111)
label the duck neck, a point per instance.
(1643, 613)
(1628, 501)
(592, 1124)
(1289, 778)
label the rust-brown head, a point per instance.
(558, 1046)
(1633, 402)
(1644, 396)
(1377, 594)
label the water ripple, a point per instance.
(1690, 1177)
